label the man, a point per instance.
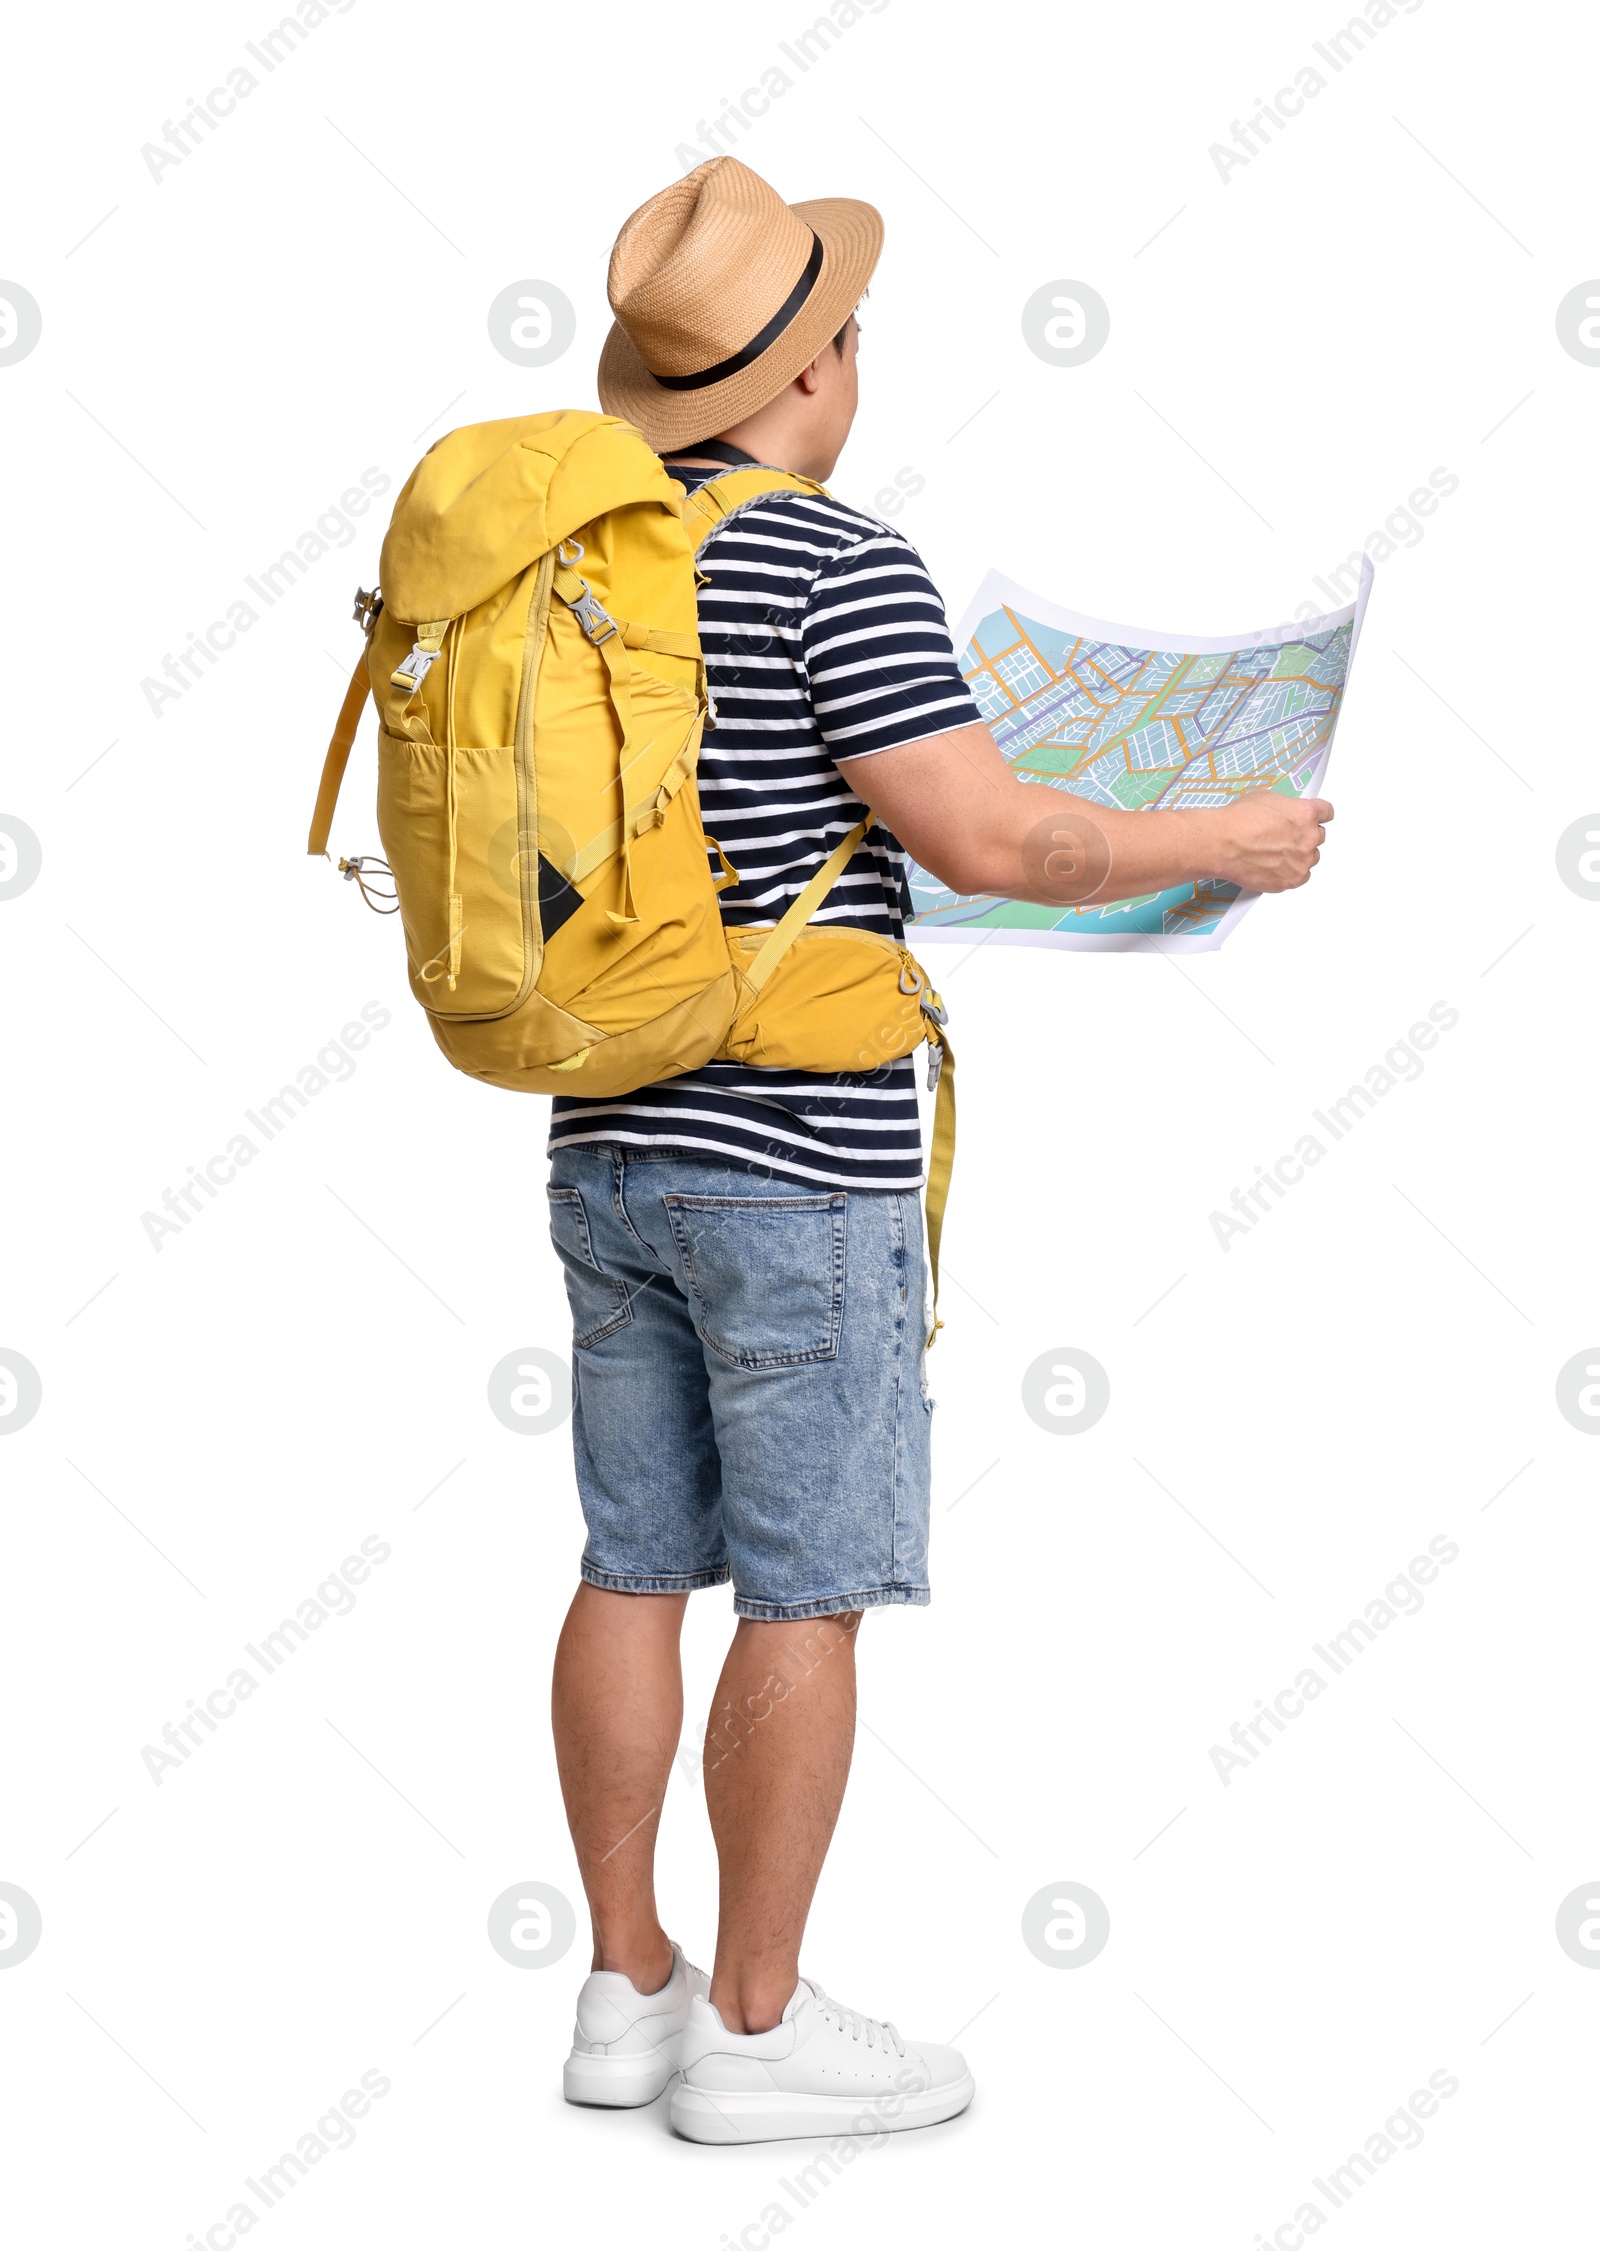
(743, 1246)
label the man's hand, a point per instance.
(956, 806)
(1265, 842)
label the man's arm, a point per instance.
(956, 806)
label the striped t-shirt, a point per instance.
(824, 638)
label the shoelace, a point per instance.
(877, 2033)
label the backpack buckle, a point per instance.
(585, 607)
(412, 670)
(596, 622)
(367, 608)
(938, 1016)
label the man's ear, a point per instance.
(809, 378)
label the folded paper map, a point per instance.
(1124, 717)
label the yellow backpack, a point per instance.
(535, 662)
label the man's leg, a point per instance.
(777, 1757)
(617, 1711)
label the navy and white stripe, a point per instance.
(824, 638)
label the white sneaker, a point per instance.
(625, 2043)
(822, 2069)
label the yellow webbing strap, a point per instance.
(704, 510)
(662, 643)
(941, 1162)
(333, 766)
(577, 862)
(574, 591)
(780, 939)
(657, 638)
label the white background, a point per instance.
(1371, 1366)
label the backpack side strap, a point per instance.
(942, 1154)
(333, 766)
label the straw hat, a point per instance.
(723, 293)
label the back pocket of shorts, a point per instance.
(599, 1301)
(765, 1275)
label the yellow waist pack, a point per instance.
(535, 662)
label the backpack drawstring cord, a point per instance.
(355, 871)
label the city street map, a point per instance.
(1124, 717)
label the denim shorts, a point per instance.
(748, 1399)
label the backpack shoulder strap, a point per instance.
(784, 933)
(704, 510)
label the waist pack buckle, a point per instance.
(938, 1016)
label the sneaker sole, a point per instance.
(724, 2118)
(616, 2082)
